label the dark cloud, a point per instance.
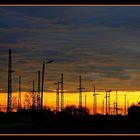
(100, 43)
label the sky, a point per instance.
(100, 43)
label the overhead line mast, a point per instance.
(10, 71)
(80, 92)
(19, 95)
(38, 94)
(62, 92)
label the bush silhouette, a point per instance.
(74, 111)
(134, 111)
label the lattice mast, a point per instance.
(38, 92)
(62, 92)
(19, 93)
(10, 71)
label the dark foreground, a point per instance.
(47, 122)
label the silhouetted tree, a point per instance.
(134, 111)
(14, 102)
(27, 101)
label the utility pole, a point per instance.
(114, 107)
(109, 101)
(42, 86)
(33, 96)
(62, 92)
(80, 93)
(85, 103)
(19, 94)
(125, 104)
(10, 71)
(103, 107)
(116, 103)
(95, 102)
(106, 103)
(38, 95)
(127, 107)
(57, 96)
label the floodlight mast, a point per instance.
(42, 88)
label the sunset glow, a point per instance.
(132, 97)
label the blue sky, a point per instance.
(102, 43)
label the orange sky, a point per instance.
(132, 97)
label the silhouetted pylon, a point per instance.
(33, 96)
(125, 104)
(43, 75)
(103, 107)
(106, 103)
(38, 94)
(62, 92)
(19, 94)
(95, 102)
(80, 92)
(85, 102)
(109, 101)
(10, 71)
(116, 102)
(57, 96)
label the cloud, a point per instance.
(100, 43)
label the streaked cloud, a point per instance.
(100, 43)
